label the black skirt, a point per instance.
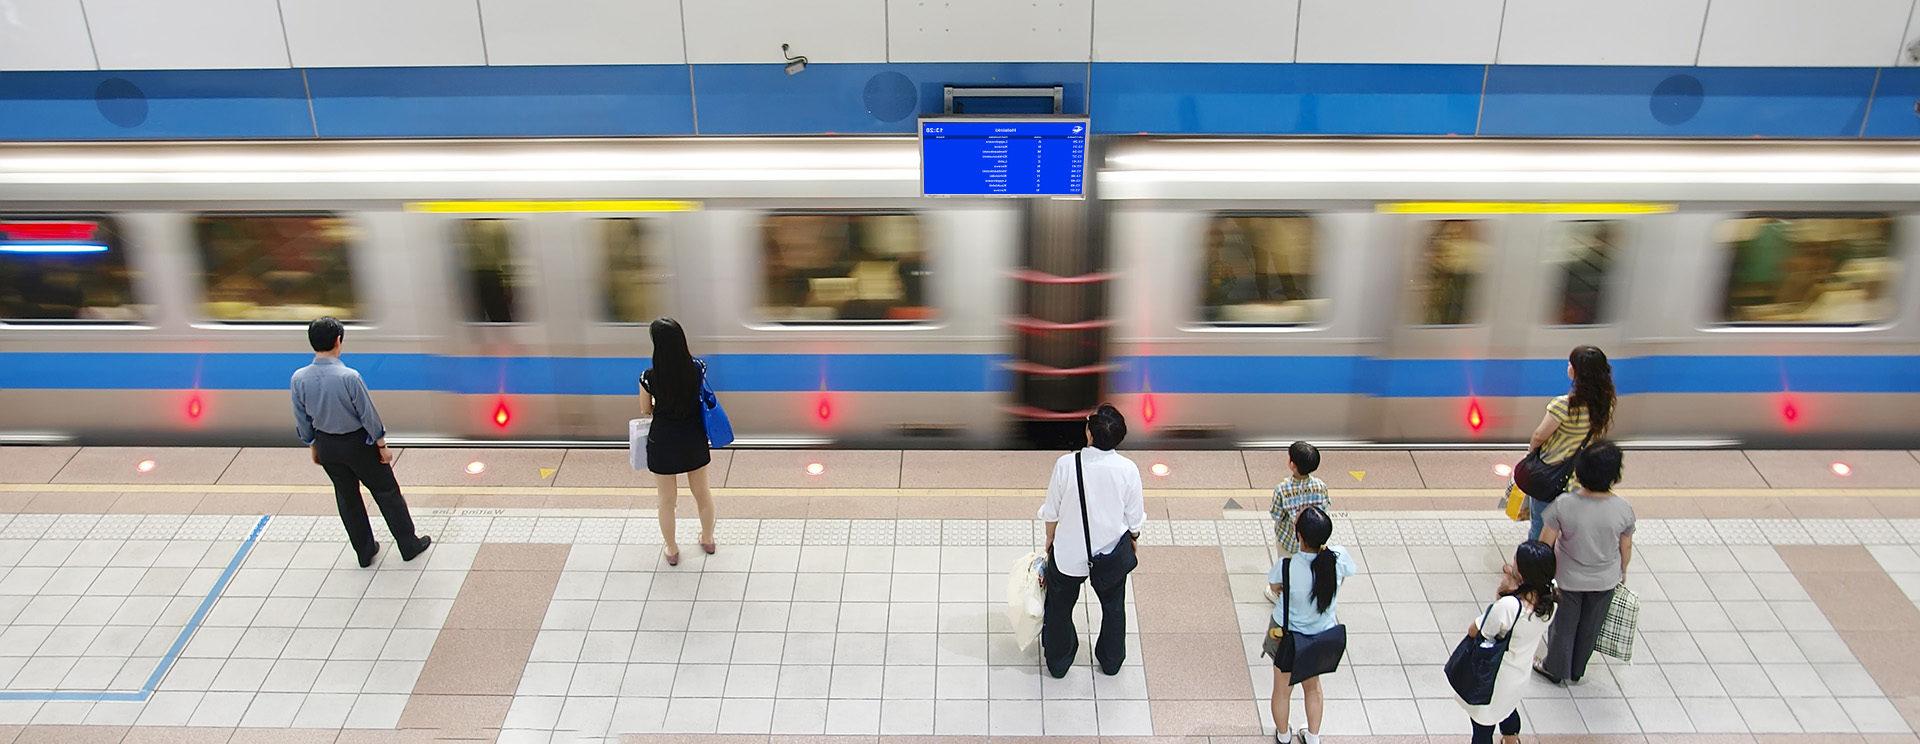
(677, 441)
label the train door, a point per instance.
(500, 365)
(1436, 382)
(624, 272)
(1572, 291)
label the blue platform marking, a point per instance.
(173, 652)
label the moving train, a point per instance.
(1221, 292)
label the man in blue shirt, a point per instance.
(335, 418)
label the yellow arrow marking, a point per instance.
(546, 473)
(1358, 475)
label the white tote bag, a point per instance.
(637, 442)
(1026, 598)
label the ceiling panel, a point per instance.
(204, 34)
(740, 31)
(1193, 31)
(383, 33)
(990, 30)
(1617, 32)
(44, 35)
(1797, 33)
(1402, 31)
(582, 32)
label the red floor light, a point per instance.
(1789, 412)
(1841, 469)
(500, 415)
(1474, 420)
(1148, 411)
(824, 410)
(195, 408)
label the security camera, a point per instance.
(795, 64)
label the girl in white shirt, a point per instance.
(1525, 609)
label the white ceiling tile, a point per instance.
(1193, 31)
(740, 31)
(1403, 31)
(203, 34)
(1911, 40)
(44, 35)
(1799, 33)
(383, 33)
(1616, 32)
(583, 32)
(990, 30)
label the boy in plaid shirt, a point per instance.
(1295, 494)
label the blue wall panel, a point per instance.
(1895, 97)
(1675, 102)
(856, 98)
(1123, 98)
(1130, 98)
(186, 104)
(502, 101)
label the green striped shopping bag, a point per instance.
(1616, 631)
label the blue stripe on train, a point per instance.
(973, 373)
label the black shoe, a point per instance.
(420, 546)
(1548, 677)
(1109, 670)
(367, 560)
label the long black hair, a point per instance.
(1537, 564)
(1315, 528)
(674, 375)
(1592, 386)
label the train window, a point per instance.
(55, 269)
(275, 268)
(844, 268)
(494, 279)
(1260, 271)
(1583, 252)
(1812, 270)
(632, 278)
(1452, 256)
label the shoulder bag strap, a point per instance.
(1286, 594)
(1086, 520)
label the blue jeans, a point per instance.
(1537, 507)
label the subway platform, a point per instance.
(208, 595)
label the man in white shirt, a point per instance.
(1113, 500)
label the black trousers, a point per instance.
(350, 463)
(1576, 626)
(1060, 641)
(1510, 727)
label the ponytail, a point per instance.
(1326, 579)
(1315, 528)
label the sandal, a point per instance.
(709, 547)
(673, 559)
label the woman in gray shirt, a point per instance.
(1591, 531)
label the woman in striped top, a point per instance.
(1586, 409)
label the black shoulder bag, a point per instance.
(1473, 667)
(1546, 482)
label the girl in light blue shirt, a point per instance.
(1317, 569)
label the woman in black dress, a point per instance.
(677, 442)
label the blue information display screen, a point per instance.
(975, 157)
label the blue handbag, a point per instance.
(1475, 663)
(719, 427)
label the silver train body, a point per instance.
(1361, 368)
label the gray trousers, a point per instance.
(1576, 626)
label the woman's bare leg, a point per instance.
(702, 499)
(664, 485)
